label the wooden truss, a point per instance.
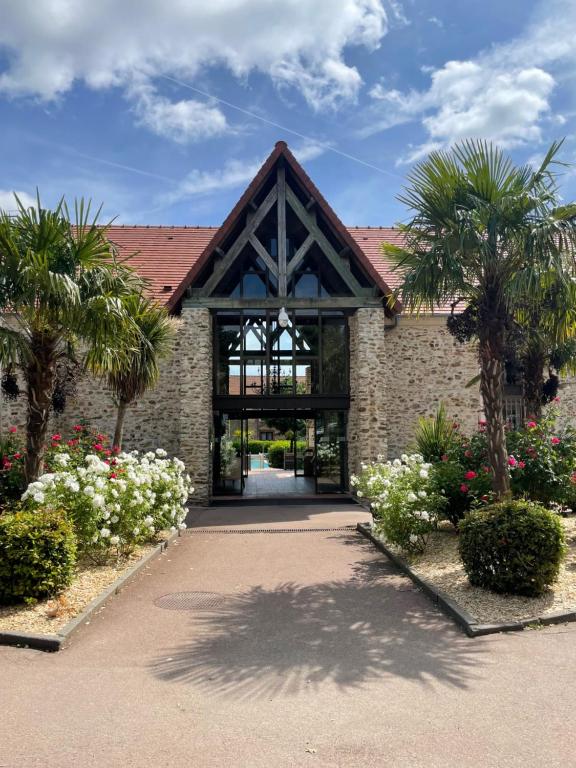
(282, 195)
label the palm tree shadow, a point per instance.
(289, 638)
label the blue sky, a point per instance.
(128, 101)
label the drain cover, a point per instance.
(189, 601)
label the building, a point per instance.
(284, 312)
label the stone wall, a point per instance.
(369, 358)
(176, 415)
(195, 425)
(426, 366)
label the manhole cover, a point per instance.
(189, 601)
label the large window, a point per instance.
(256, 356)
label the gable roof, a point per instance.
(166, 255)
(170, 258)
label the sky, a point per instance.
(163, 110)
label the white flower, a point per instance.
(61, 458)
(423, 474)
(136, 531)
(89, 490)
(149, 520)
(39, 497)
(95, 538)
(413, 538)
(114, 540)
(396, 463)
(422, 494)
(99, 483)
(99, 501)
(360, 494)
(182, 526)
(161, 452)
(114, 519)
(105, 533)
(411, 496)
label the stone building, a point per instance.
(283, 311)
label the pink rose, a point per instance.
(464, 488)
(555, 440)
(512, 461)
(470, 475)
(531, 425)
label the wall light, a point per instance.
(283, 318)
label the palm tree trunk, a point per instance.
(491, 388)
(534, 382)
(119, 429)
(40, 374)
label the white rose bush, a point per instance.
(404, 503)
(114, 503)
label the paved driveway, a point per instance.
(308, 650)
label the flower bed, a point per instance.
(440, 564)
(112, 506)
(48, 617)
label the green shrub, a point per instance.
(37, 555)
(276, 450)
(462, 488)
(404, 505)
(254, 446)
(436, 436)
(513, 546)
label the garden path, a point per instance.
(311, 651)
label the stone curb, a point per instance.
(452, 609)
(57, 642)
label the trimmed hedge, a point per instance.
(513, 546)
(37, 555)
(254, 446)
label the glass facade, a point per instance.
(255, 356)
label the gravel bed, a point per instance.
(441, 565)
(50, 616)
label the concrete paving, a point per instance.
(298, 648)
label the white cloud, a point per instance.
(52, 44)
(8, 203)
(504, 94)
(235, 173)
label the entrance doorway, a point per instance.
(303, 452)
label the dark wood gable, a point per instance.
(280, 241)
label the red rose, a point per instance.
(78, 428)
(512, 461)
(112, 475)
(464, 488)
(101, 438)
(98, 446)
(13, 430)
(554, 440)
(470, 475)
(55, 438)
(531, 425)
(521, 464)
(17, 456)
(107, 452)
(5, 463)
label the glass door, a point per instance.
(331, 452)
(228, 453)
(304, 438)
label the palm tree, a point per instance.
(139, 369)
(484, 231)
(60, 285)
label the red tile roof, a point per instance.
(165, 255)
(162, 255)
